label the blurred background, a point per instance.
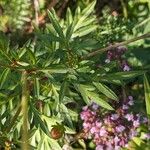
(18, 16)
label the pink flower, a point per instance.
(122, 142)
(85, 108)
(117, 148)
(99, 147)
(98, 124)
(109, 146)
(94, 130)
(102, 131)
(87, 125)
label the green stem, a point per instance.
(94, 53)
(24, 105)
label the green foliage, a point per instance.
(58, 80)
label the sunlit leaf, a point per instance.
(96, 98)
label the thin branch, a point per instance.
(61, 9)
(36, 8)
(43, 16)
(144, 36)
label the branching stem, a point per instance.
(94, 53)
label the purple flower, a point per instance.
(120, 128)
(131, 102)
(116, 140)
(125, 107)
(130, 97)
(126, 68)
(112, 131)
(110, 55)
(133, 133)
(136, 123)
(121, 49)
(95, 106)
(145, 120)
(129, 117)
(114, 116)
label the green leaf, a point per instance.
(123, 75)
(3, 77)
(83, 93)
(55, 69)
(147, 94)
(63, 89)
(31, 56)
(84, 31)
(67, 115)
(96, 98)
(38, 120)
(49, 37)
(55, 23)
(69, 18)
(54, 144)
(138, 141)
(106, 90)
(85, 13)
(88, 21)
(69, 31)
(21, 63)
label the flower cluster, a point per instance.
(112, 131)
(116, 54)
